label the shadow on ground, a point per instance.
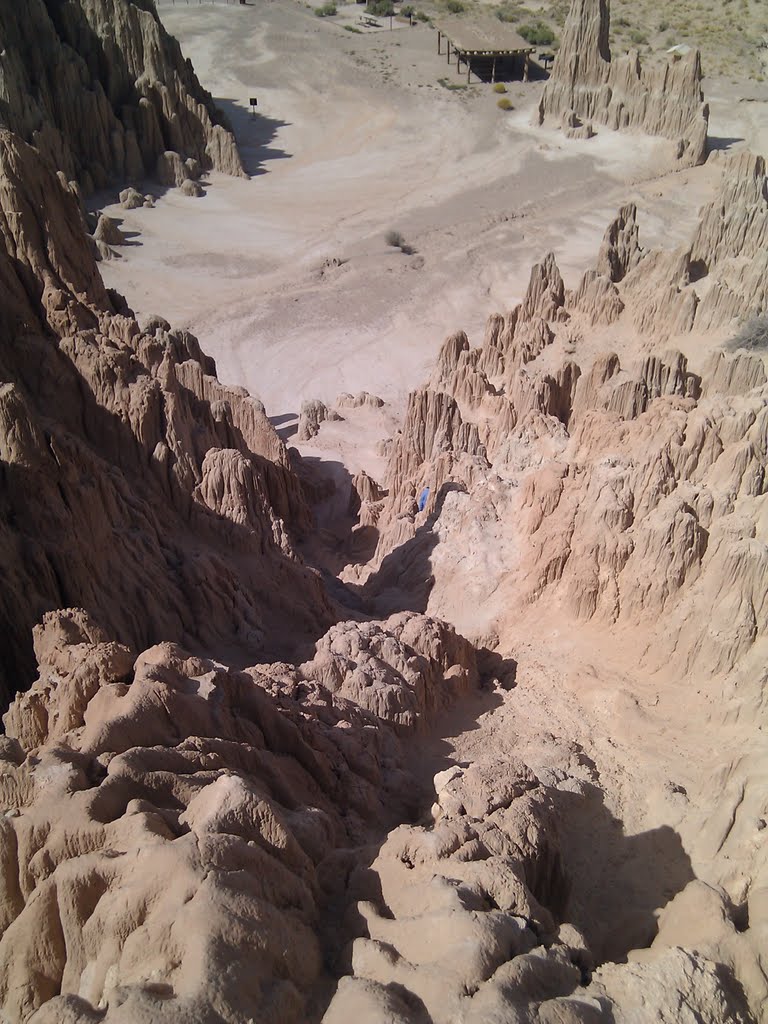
(507, 69)
(618, 882)
(286, 426)
(721, 142)
(404, 580)
(254, 133)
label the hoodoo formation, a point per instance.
(104, 93)
(133, 481)
(588, 86)
(453, 713)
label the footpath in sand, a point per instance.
(288, 277)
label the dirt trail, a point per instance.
(296, 294)
(355, 138)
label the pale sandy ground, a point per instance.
(356, 136)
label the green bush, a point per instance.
(454, 6)
(408, 11)
(638, 38)
(421, 16)
(507, 12)
(558, 12)
(352, 28)
(504, 103)
(663, 26)
(326, 11)
(380, 8)
(538, 34)
(499, 87)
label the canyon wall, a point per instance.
(541, 478)
(585, 473)
(103, 92)
(186, 839)
(133, 483)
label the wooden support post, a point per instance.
(493, 72)
(448, 51)
(469, 68)
(439, 37)
(527, 68)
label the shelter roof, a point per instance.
(482, 34)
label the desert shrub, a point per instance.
(352, 28)
(537, 33)
(559, 11)
(454, 6)
(380, 8)
(504, 103)
(508, 12)
(663, 26)
(396, 240)
(326, 11)
(408, 11)
(499, 87)
(421, 16)
(638, 38)
(753, 335)
(621, 22)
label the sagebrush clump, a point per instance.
(537, 33)
(396, 240)
(380, 8)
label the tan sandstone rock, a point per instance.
(587, 85)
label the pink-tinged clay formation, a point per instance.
(433, 785)
(104, 93)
